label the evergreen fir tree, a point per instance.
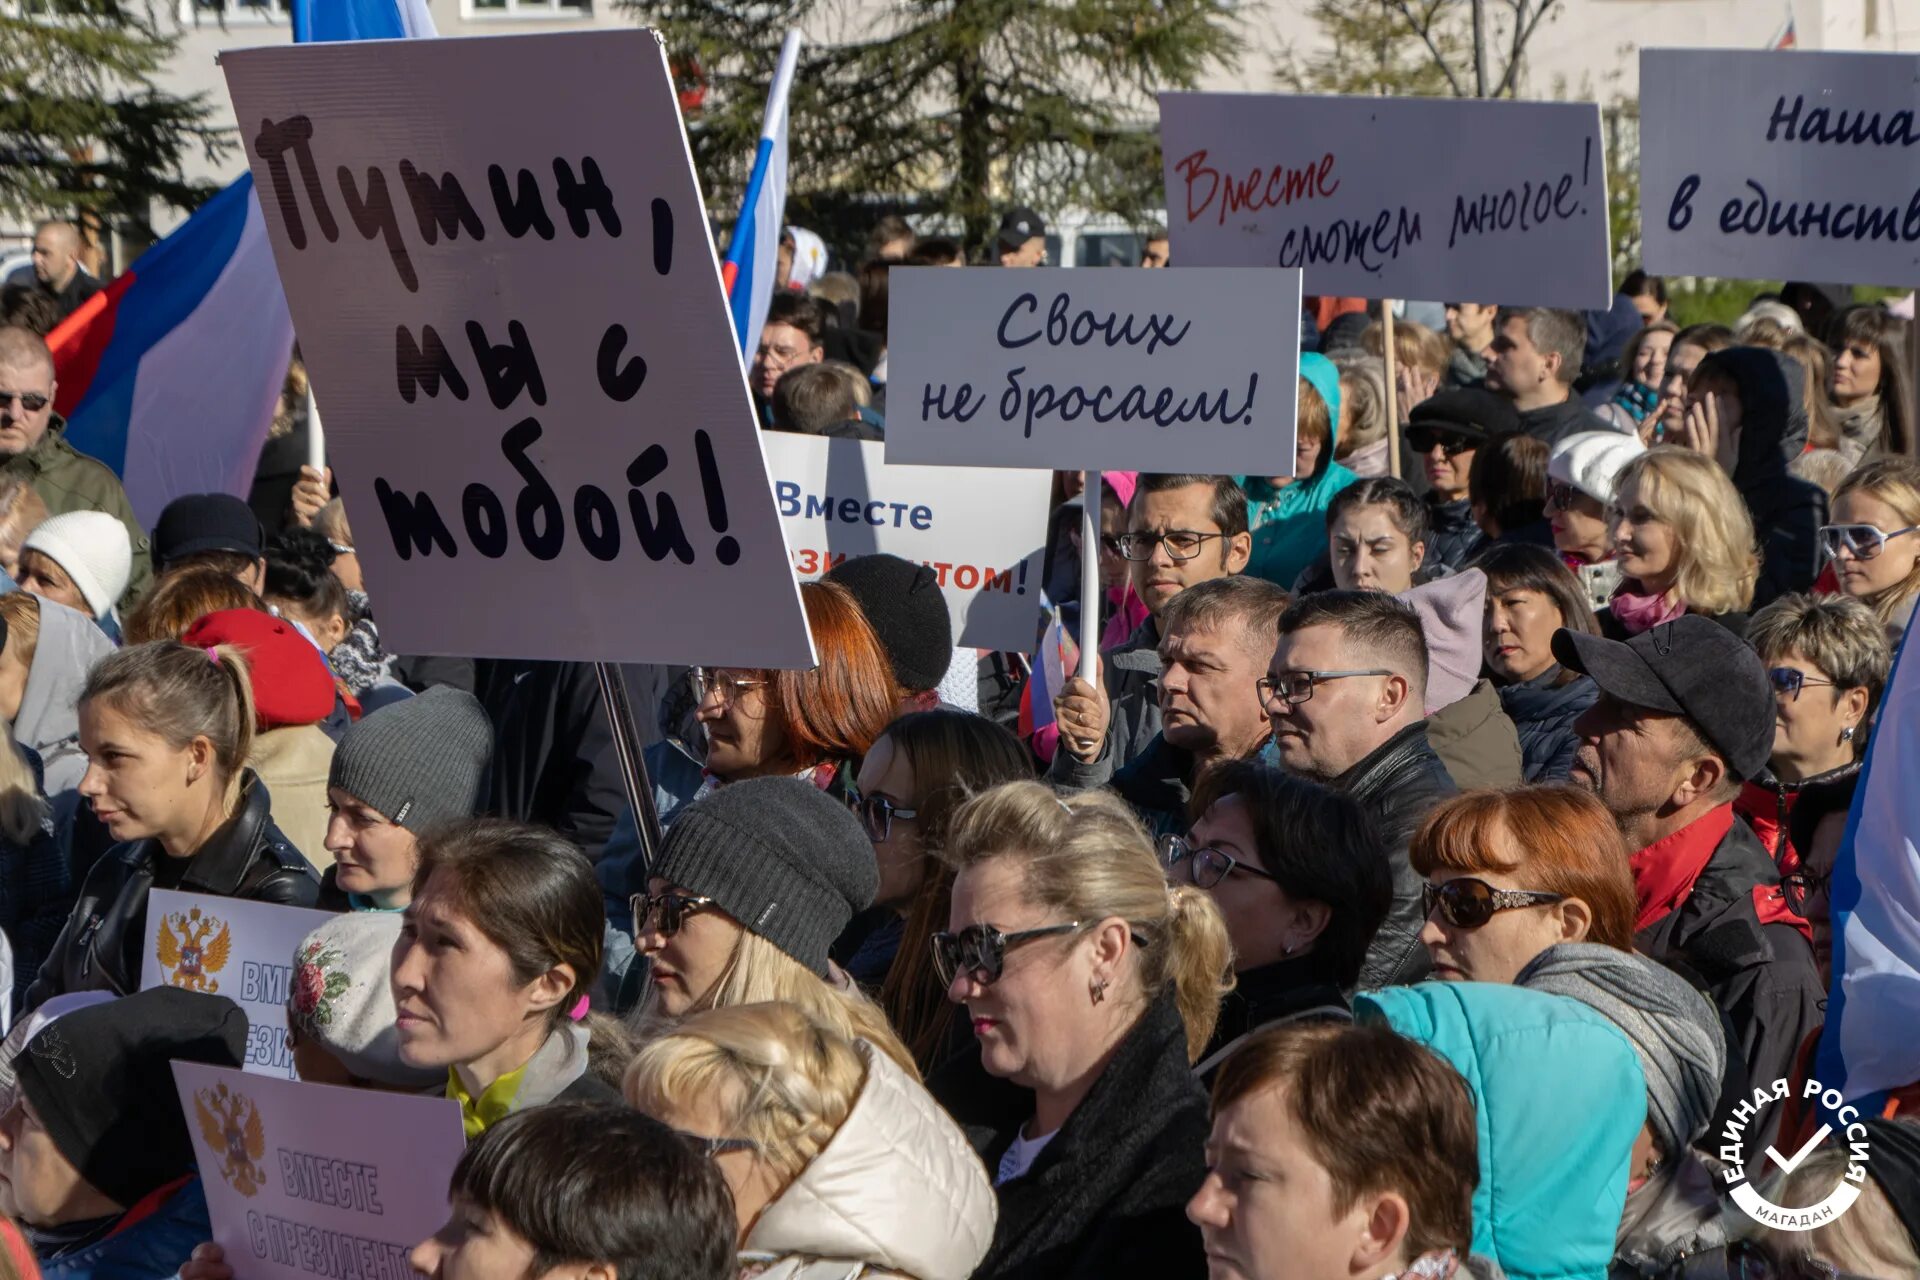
(84, 126)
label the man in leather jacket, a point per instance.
(1348, 685)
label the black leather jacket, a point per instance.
(1399, 784)
(100, 947)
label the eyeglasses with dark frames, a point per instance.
(31, 401)
(1206, 865)
(1790, 680)
(1423, 440)
(1181, 544)
(876, 814)
(674, 908)
(1467, 903)
(1297, 686)
(1802, 886)
(980, 950)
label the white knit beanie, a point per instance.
(93, 548)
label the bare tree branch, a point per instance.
(1523, 29)
(1425, 31)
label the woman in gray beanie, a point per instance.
(754, 882)
(1673, 1199)
(400, 770)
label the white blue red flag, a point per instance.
(1869, 1045)
(755, 246)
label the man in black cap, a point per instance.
(1685, 714)
(95, 1158)
(215, 529)
(1022, 241)
(1447, 430)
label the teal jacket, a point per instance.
(1561, 1097)
(1290, 523)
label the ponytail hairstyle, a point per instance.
(182, 693)
(528, 891)
(770, 1073)
(1087, 858)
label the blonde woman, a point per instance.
(1092, 986)
(1873, 1239)
(1684, 542)
(842, 1167)
(754, 883)
(1873, 541)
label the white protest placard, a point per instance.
(233, 948)
(1794, 165)
(1442, 199)
(983, 531)
(1172, 371)
(497, 259)
(315, 1180)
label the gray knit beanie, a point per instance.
(1677, 1033)
(418, 761)
(779, 855)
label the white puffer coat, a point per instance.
(897, 1192)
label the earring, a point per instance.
(1846, 734)
(1099, 990)
(1286, 948)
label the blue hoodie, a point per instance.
(1561, 1097)
(1290, 523)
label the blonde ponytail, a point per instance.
(1201, 957)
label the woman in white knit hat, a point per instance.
(81, 559)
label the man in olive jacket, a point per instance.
(33, 447)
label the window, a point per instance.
(234, 10)
(525, 8)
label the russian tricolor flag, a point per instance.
(1868, 1047)
(171, 373)
(1053, 662)
(755, 246)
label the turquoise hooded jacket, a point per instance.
(1290, 523)
(1561, 1098)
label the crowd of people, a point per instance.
(1435, 864)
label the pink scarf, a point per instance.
(1636, 611)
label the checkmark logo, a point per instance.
(1788, 1166)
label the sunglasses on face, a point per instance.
(1561, 495)
(1423, 440)
(31, 401)
(1208, 866)
(1467, 903)
(1788, 682)
(674, 908)
(980, 950)
(876, 814)
(1861, 541)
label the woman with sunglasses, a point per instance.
(1582, 482)
(1511, 873)
(1828, 661)
(1446, 431)
(1530, 595)
(1303, 885)
(913, 780)
(1684, 541)
(753, 884)
(841, 1165)
(1874, 540)
(1092, 986)
(497, 951)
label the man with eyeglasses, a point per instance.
(1685, 714)
(34, 447)
(1182, 530)
(792, 336)
(1345, 696)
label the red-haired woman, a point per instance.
(758, 723)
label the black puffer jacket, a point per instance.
(1543, 709)
(1399, 784)
(1107, 1197)
(1452, 536)
(100, 949)
(1787, 511)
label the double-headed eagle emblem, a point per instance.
(230, 1122)
(192, 948)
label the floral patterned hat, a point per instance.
(340, 998)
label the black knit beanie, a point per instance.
(779, 855)
(101, 1082)
(908, 613)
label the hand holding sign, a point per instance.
(1083, 713)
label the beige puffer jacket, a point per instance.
(897, 1192)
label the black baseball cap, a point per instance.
(195, 523)
(1020, 225)
(1689, 667)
